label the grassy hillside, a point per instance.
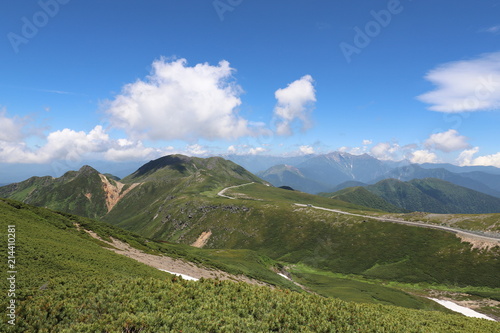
(361, 196)
(423, 195)
(266, 220)
(66, 282)
(79, 192)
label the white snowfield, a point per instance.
(184, 276)
(461, 309)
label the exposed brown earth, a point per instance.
(114, 191)
(477, 243)
(203, 239)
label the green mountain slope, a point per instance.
(266, 220)
(176, 199)
(66, 282)
(78, 192)
(435, 196)
(363, 197)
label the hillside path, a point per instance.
(489, 239)
(221, 193)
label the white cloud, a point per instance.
(180, 102)
(386, 151)
(258, 150)
(196, 149)
(73, 146)
(367, 142)
(447, 141)
(466, 158)
(306, 150)
(295, 102)
(423, 156)
(11, 129)
(231, 149)
(468, 85)
(493, 29)
(126, 150)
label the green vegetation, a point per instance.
(261, 230)
(361, 196)
(435, 196)
(67, 282)
(77, 192)
(166, 305)
(329, 284)
(473, 222)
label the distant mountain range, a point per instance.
(330, 172)
(423, 195)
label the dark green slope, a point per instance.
(78, 192)
(361, 196)
(180, 166)
(435, 196)
(167, 185)
(267, 221)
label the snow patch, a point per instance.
(461, 309)
(286, 277)
(184, 276)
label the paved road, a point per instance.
(418, 224)
(221, 193)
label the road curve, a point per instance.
(221, 193)
(418, 224)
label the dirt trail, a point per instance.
(170, 264)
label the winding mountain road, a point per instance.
(493, 240)
(418, 224)
(221, 193)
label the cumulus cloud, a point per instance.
(295, 102)
(468, 85)
(367, 142)
(177, 101)
(72, 146)
(466, 158)
(423, 156)
(126, 150)
(196, 149)
(386, 151)
(447, 141)
(306, 150)
(256, 151)
(11, 129)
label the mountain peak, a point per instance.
(87, 169)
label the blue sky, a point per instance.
(124, 80)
